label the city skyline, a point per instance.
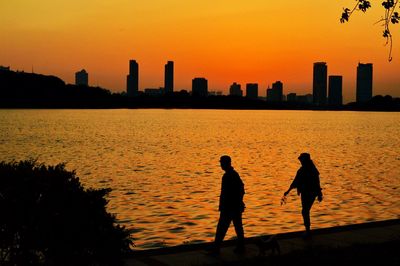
(326, 90)
(224, 42)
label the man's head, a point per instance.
(225, 162)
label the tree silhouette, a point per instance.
(390, 17)
(48, 218)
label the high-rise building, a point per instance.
(335, 90)
(132, 80)
(364, 82)
(235, 90)
(320, 76)
(200, 87)
(275, 94)
(252, 90)
(82, 78)
(169, 78)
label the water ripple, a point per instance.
(163, 164)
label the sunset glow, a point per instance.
(224, 41)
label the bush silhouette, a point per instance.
(48, 218)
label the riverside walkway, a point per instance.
(323, 240)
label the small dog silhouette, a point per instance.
(268, 244)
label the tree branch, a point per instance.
(391, 17)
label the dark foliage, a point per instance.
(377, 103)
(49, 218)
(35, 86)
(14, 84)
(28, 90)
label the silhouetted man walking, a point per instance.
(231, 206)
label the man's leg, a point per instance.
(238, 223)
(222, 227)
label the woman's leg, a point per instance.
(306, 204)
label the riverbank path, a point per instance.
(322, 239)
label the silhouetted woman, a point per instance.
(308, 186)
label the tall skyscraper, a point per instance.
(252, 90)
(364, 82)
(335, 90)
(200, 87)
(169, 78)
(82, 78)
(235, 90)
(132, 80)
(320, 78)
(275, 94)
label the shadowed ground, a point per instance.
(375, 243)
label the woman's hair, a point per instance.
(310, 163)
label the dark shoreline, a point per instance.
(372, 243)
(289, 235)
(187, 108)
(7, 104)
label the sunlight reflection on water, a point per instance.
(163, 164)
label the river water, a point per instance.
(163, 165)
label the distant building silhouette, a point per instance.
(307, 98)
(364, 82)
(153, 91)
(169, 78)
(132, 80)
(275, 94)
(320, 76)
(291, 97)
(200, 87)
(82, 78)
(252, 90)
(5, 68)
(235, 90)
(215, 93)
(182, 92)
(335, 90)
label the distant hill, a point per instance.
(20, 89)
(27, 85)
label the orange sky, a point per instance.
(225, 41)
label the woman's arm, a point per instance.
(293, 185)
